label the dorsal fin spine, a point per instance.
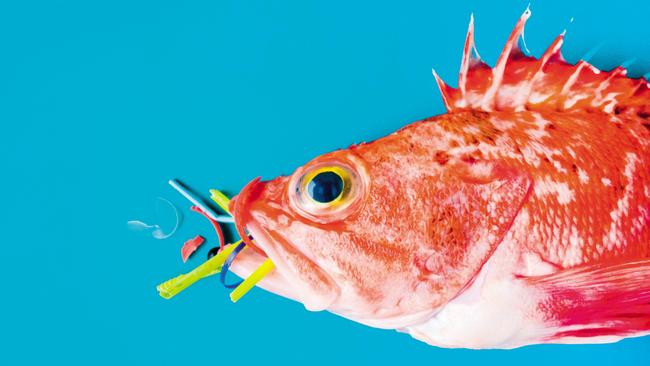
(499, 69)
(554, 50)
(564, 93)
(443, 87)
(599, 98)
(467, 61)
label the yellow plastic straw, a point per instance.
(220, 199)
(265, 268)
(210, 267)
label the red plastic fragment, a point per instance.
(191, 246)
(217, 227)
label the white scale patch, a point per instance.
(574, 253)
(537, 134)
(471, 129)
(536, 148)
(583, 176)
(502, 125)
(547, 186)
(571, 152)
(615, 237)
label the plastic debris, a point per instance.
(217, 227)
(190, 246)
(171, 288)
(226, 266)
(220, 199)
(265, 268)
(155, 229)
(180, 187)
(219, 258)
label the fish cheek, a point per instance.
(315, 287)
(469, 223)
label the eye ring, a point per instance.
(327, 186)
(328, 190)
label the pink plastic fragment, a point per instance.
(191, 246)
(217, 227)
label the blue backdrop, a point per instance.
(101, 102)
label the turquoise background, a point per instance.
(101, 102)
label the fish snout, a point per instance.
(262, 218)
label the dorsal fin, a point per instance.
(519, 82)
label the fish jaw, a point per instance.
(296, 276)
(312, 286)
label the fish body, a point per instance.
(519, 217)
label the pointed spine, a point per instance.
(599, 99)
(499, 69)
(444, 90)
(566, 88)
(552, 52)
(468, 59)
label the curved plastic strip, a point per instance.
(215, 225)
(226, 266)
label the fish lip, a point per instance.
(295, 288)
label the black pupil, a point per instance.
(325, 187)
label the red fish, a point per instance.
(518, 217)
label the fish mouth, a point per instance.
(296, 276)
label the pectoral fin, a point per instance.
(604, 300)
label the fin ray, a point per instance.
(611, 299)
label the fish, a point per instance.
(518, 217)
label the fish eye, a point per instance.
(326, 191)
(326, 186)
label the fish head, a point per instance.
(377, 233)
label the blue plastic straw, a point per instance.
(177, 185)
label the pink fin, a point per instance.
(519, 82)
(597, 300)
(191, 246)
